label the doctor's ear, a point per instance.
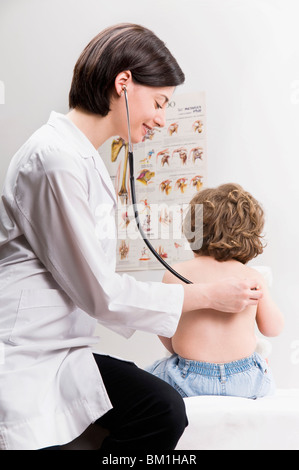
(123, 79)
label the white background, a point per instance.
(243, 53)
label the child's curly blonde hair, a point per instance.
(233, 221)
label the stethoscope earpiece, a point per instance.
(124, 89)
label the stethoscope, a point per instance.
(133, 193)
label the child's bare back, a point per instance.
(208, 335)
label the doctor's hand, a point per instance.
(234, 295)
(228, 295)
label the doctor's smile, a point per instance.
(58, 278)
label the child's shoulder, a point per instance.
(205, 269)
(195, 268)
(182, 268)
(257, 274)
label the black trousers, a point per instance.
(148, 414)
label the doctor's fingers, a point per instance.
(253, 291)
(246, 292)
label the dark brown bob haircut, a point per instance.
(116, 49)
(232, 226)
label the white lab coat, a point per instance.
(57, 279)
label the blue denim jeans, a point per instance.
(249, 377)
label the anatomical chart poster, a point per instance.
(170, 166)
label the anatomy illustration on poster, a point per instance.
(170, 166)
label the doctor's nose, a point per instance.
(160, 118)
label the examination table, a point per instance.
(230, 423)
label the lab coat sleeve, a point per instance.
(54, 212)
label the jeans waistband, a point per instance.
(218, 370)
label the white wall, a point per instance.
(243, 53)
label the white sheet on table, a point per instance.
(230, 423)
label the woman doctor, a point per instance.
(57, 265)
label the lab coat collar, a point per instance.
(82, 145)
(70, 131)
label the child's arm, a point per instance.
(269, 318)
(167, 342)
(167, 279)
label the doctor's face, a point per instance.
(147, 107)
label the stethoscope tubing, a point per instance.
(133, 195)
